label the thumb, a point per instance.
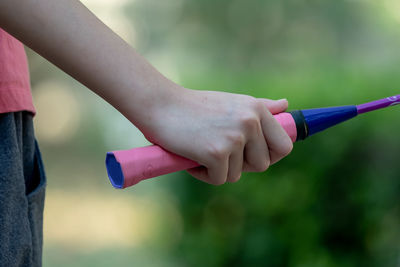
(275, 106)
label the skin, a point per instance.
(226, 133)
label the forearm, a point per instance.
(66, 33)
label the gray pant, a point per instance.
(22, 191)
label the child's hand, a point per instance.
(226, 133)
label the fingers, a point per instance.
(216, 170)
(235, 166)
(275, 106)
(222, 167)
(256, 156)
(278, 141)
(200, 173)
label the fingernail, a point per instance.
(283, 99)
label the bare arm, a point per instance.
(226, 133)
(66, 33)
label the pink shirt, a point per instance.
(15, 89)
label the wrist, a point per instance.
(146, 106)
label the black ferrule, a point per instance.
(301, 125)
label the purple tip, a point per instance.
(378, 104)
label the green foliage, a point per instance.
(335, 200)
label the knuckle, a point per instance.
(216, 153)
(250, 122)
(259, 106)
(238, 140)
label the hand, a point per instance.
(225, 133)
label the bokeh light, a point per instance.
(59, 111)
(91, 222)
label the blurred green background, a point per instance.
(335, 201)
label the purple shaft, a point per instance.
(378, 104)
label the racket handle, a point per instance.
(128, 167)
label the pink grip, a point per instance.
(128, 167)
